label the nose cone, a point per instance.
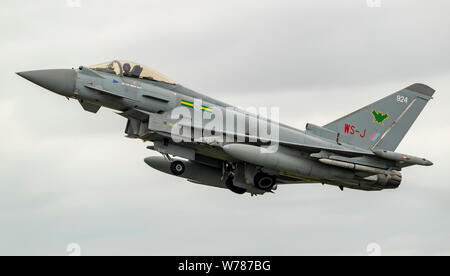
(61, 81)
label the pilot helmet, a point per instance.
(126, 67)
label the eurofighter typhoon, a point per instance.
(209, 142)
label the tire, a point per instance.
(264, 181)
(230, 185)
(177, 168)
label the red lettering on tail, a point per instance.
(352, 130)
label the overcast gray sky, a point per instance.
(70, 176)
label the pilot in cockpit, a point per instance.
(126, 69)
(130, 70)
(136, 71)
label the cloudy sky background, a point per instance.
(70, 176)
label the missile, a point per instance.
(194, 172)
(352, 166)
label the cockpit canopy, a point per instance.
(130, 69)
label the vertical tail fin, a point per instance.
(383, 124)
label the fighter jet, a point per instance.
(199, 139)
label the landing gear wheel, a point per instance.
(177, 167)
(230, 185)
(264, 181)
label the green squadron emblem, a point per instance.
(379, 116)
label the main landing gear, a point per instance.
(264, 181)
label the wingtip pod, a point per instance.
(399, 157)
(422, 89)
